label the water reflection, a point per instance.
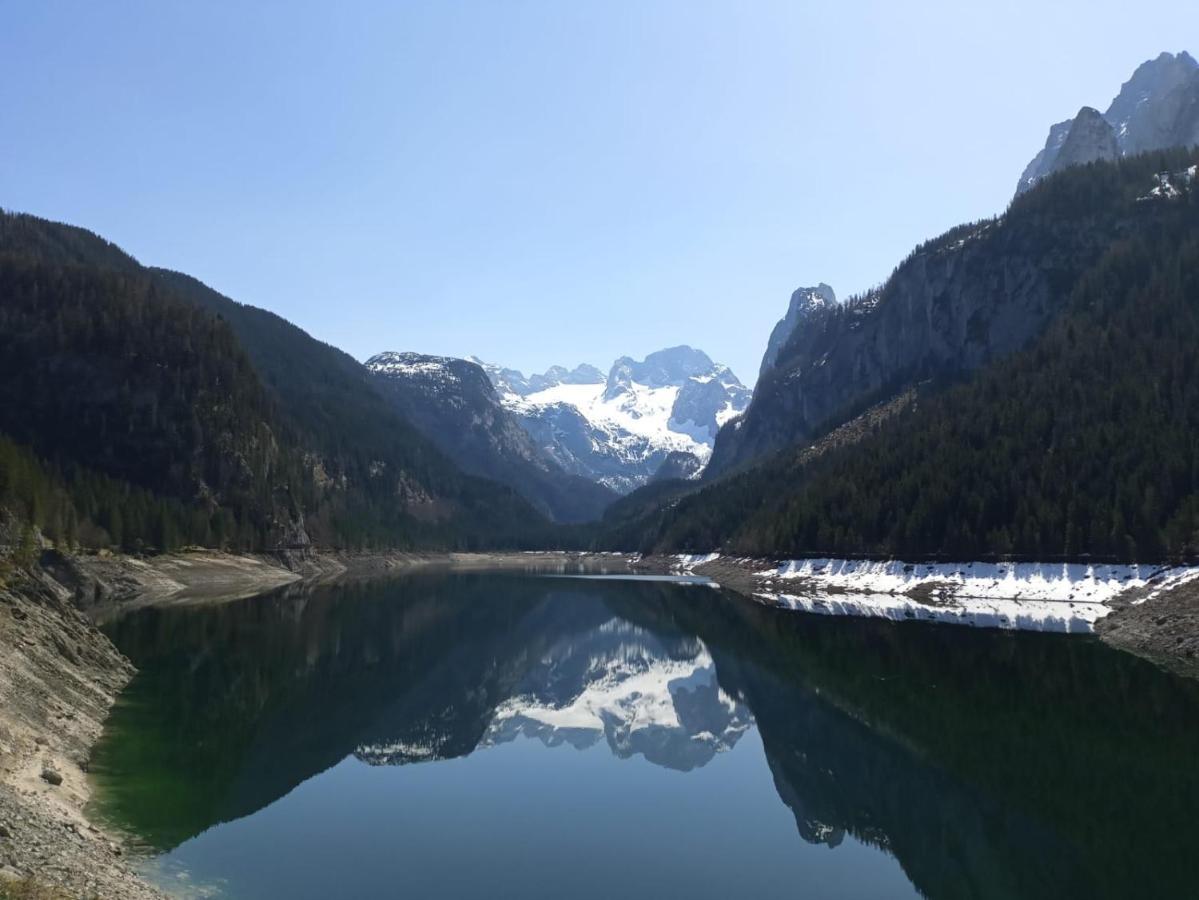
(987, 764)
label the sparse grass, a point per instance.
(31, 889)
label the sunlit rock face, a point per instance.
(618, 429)
(1157, 108)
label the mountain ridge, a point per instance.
(454, 404)
(618, 429)
(238, 429)
(1073, 443)
(1156, 109)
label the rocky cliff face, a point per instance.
(806, 303)
(1156, 109)
(453, 402)
(977, 293)
(619, 429)
(1090, 139)
(679, 465)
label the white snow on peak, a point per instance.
(730, 411)
(637, 419)
(618, 429)
(408, 364)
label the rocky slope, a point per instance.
(806, 304)
(679, 465)
(58, 678)
(452, 402)
(974, 295)
(1072, 447)
(618, 430)
(1156, 109)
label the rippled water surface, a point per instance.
(514, 736)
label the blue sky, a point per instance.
(543, 182)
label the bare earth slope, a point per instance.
(58, 678)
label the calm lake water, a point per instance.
(497, 735)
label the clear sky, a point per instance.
(543, 182)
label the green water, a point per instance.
(502, 736)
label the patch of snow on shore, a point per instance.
(687, 562)
(1170, 579)
(1054, 582)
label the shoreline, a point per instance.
(1151, 611)
(59, 678)
(61, 675)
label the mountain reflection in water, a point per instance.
(986, 764)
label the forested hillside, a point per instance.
(453, 403)
(143, 410)
(957, 303)
(1084, 443)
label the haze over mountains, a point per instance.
(145, 410)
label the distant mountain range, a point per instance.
(618, 430)
(1019, 385)
(569, 440)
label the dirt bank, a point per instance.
(58, 678)
(1163, 628)
(105, 584)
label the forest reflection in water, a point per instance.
(941, 760)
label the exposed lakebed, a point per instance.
(503, 735)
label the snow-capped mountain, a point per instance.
(452, 402)
(618, 430)
(624, 686)
(1156, 109)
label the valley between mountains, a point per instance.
(1004, 434)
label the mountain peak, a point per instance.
(1157, 108)
(663, 368)
(619, 429)
(1091, 138)
(805, 303)
(514, 382)
(393, 362)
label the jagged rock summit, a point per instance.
(619, 429)
(1157, 108)
(806, 302)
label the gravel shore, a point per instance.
(58, 678)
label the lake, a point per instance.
(508, 735)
